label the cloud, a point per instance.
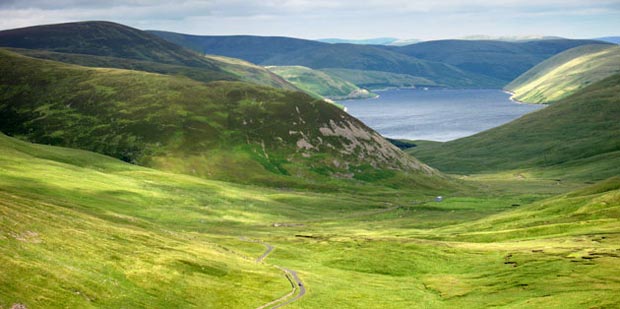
(315, 18)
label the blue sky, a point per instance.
(334, 18)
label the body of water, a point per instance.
(437, 114)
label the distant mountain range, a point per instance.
(610, 39)
(448, 63)
(374, 41)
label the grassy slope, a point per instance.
(575, 137)
(252, 73)
(320, 84)
(497, 59)
(129, 236)
(566, 73)
(376, 80)
(226, 130)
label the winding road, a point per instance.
(291, 276)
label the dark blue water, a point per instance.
(437, 114)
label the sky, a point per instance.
(313, 19)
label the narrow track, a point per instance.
(291, 276)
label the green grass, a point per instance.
(566, 73)
(128, 236)
(376, 80)
(223, 130)
(321, 84)
(575, 138)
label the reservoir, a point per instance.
(437, 114)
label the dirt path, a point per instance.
(296, 284)
(291, 276)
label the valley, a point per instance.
(151, 169)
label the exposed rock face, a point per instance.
(353, 143)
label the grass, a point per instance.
(321, 84)
(566, 73)
(128, 236)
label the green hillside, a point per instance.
(376, 80)
(320, 84)
(226, 130)
(566, 73)
(248, 72)
(500, 60)
(576, 137)
(110, 45)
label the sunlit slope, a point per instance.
(248, 72)
(320, 84)
(566, 73)
(80, 229)
(578, 136)
(111, 45)
(227, 130)
(374, 80)
(594, 209)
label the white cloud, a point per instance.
(319, 18)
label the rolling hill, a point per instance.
(225, 130)
(111, 45)
(576, 137)
(566, 73)
(101, 38)
(321, 84)
(499, 60)
(279, 51)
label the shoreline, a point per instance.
(512, 97)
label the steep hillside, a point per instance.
(500, 60)
(566, 73)
(577, 137)
(375, 80)
(248, 72)
(227, 130)
(320, 84)
(317, 55)
(110, 45)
